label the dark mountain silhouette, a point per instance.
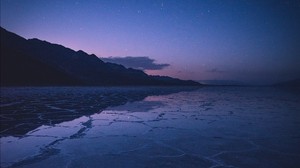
(34, 63)
(290, 83)
(19, 67)
(222, 83)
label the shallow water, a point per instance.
(150, 127)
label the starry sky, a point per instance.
(255, 42)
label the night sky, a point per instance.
(251, 41)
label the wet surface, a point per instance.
(150, 127)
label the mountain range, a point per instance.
(222, 83)
(289, 83)
(34, 62)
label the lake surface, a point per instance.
(150, 127)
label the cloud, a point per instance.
(142, 63)
(215, 70)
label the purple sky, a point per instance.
(250, 41)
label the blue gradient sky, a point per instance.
(250, 41)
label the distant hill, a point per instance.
(290, 83)
(222, 82)
(39, 63)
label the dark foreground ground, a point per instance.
(150, 127)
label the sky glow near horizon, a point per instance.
(250, 41)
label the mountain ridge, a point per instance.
(33, 62)
(288, 83)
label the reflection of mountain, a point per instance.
(35, 62)
(23, 109)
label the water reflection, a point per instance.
(208, 127)
(24, 109)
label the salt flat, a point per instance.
(150, 127)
